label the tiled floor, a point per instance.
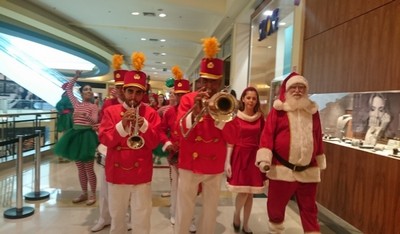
(58, 215)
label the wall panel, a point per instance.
(322, 15)
(356, 56)
(361, 188)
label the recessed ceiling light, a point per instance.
(162, 15)
(267, 13)
(282, 23)
(153, 68)
(163, 40)
(163, 54)
(143, 39)
(155, 73)
(135, 13)
(163, 62)
(269, 47)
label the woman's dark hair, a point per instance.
(81, 88)
(249, 89)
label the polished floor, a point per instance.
(58, 214)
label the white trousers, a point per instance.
(103, 199)
(188, 183)
(139, 197)
(174, 189)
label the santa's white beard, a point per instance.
(297, 104)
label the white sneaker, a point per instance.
(99, 226)
(192, 228)
(172, 220)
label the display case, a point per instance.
(364, 121)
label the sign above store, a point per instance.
(269, 25)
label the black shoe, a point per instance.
(249, 232)
(236, 227)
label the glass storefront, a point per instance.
(274, 48)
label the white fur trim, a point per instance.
(263, 158)
(278, 104)
(296, 80)
(248, 118)
(321, 160)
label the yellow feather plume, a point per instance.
(138, 59)
(210, 46)
(117, 61)
(177, 72)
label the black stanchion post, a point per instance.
(37, 194)
(19, 211)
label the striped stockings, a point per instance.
(86, 174)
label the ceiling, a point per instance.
(104, 28)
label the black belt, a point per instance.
(290, 165)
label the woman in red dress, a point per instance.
(243, 177)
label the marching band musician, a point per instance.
(203, 151)
(129, 165)
(170, 138)
(118, 97)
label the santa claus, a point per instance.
(291, 154)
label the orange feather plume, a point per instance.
(210, 47)
(117, 61)
(138, 60)
(177, 72)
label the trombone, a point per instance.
(134, 140)
(222, 107)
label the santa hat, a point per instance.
(211, 67)
(291, 79)
(180, 85)
(136, 78)
(119, 74)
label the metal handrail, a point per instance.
(25, 123)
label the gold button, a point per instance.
(116, 164)
(118, 147)
(198, 138)
(122, 113)
(175, 132)
(136, 164)
(195, 155)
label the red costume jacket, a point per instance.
(125, 165)
(107, 103)
(204, 149)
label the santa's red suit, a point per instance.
(291, 146)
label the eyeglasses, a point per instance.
(298, 86)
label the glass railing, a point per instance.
(26, 122)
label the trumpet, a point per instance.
(222, 107)
(134, 140)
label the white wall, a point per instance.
(240, 57)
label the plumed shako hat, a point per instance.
(136, 78)
(180, 85)
(211, 67)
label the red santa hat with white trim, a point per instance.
(291, 79)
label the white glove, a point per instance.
(264, 167)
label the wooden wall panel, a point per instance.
(321, 15)
(361, 188)
(360, 55)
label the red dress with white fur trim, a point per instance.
(244, 133)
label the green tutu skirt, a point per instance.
(78, 144)
(64, 122)
(158, 152)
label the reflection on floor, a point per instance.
(59, 215)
